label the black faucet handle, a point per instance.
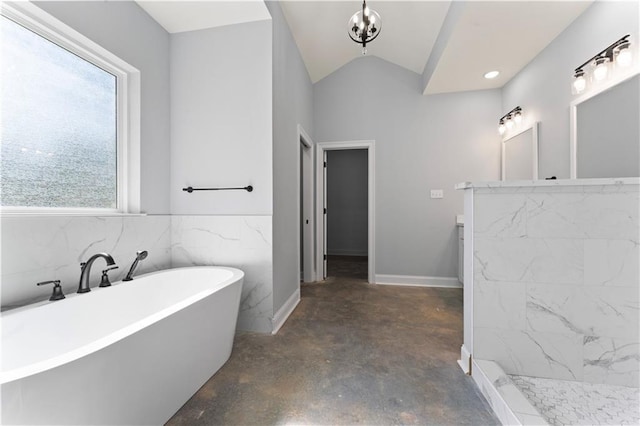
(57, 289)
(54, 282)
(104, 282)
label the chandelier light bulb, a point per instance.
(601, 70)
(366, 11)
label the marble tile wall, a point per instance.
(244, 242)
(557, 281)
(39, 248)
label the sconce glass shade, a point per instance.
(579, 83)
(623, 56)
(601, 69)
(509, 123)
(517, 117)
(501, 128)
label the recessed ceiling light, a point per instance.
(491, 74)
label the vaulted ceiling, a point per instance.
(453, 42)
(461, 40)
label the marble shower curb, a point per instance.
(507, 401)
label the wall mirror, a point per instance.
(520, 155)
(605, 131)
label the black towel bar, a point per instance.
(190, 189)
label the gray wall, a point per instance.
(421, 143)
(347, 202)
(543, 88)
(130, 33)
(221, 119)
(292, 105)
(608, 133)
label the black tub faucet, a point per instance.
(85, 271)
(140, 255)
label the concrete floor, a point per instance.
(351, 353)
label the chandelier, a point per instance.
(364, 26)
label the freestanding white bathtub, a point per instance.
(132, 353)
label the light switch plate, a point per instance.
(437, 193)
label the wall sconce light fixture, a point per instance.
(602, 65)
(509, 120)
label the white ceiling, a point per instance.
(409, 30)
(484, 36)
(503, 36)
(179, 16)
(468, 38)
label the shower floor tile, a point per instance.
(564, 402)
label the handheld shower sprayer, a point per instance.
(140, 255)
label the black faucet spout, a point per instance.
(85, 272)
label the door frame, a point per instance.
(321, 148)
(307, 243)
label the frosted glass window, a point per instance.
(58, 126)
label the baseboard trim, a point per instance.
(418, 281)
(285, 310)
(338, 252)
(465, 360)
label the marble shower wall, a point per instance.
(557, 281)
(39, 248)
(244, 242)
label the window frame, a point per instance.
(127, 108)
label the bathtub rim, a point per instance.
(109, 339)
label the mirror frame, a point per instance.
(534, 148)
(573, 115)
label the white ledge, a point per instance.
(550, 183)
(63, 214)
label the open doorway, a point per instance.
(347, 208)
(345, 239)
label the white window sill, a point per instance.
(68, 213)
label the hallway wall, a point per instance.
(292, 105)
(422, 143)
